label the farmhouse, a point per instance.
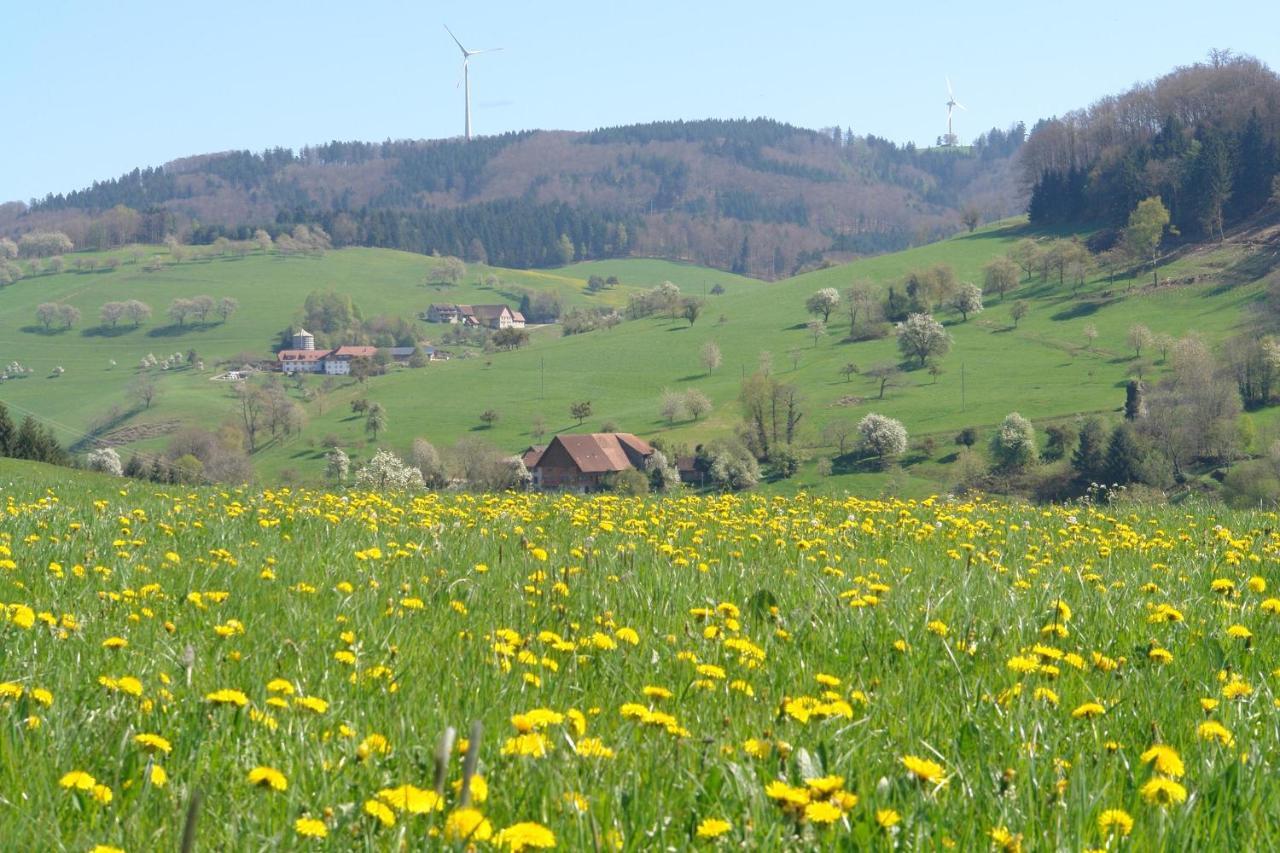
(583, 462)
(491, 316)
(335, 362)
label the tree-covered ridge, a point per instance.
(756, 196)
(756, 131)
(510, 233)
(1205, 139)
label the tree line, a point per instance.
(1204, 139)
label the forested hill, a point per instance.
(754, 196)
(1205, 139)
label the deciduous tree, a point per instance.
(823, 302)
(709, 355)
(922, 337)
(1000, 276)
(1145, 231)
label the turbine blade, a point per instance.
(962, 106)
(455, 39)
(950, 93)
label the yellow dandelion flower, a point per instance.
(309, 827)
(1213, 730)
(1005, 840)
(479, 788)
(888, 818)
(465, 825)
(1115, 822)
(380, 812)
(822, 812)
(592, 747)
(525, 835)
(824, 786)
(374, 744)
(924, 769)
(78, 780)
(1236, 690)
(1163, 792)
(1088, 711)
(227, 697)
(533, 744)
(311, 703)
(153, 743)
(1165, 759)
(786, 795)
(713, 827)
(267, 777)
(407, 798)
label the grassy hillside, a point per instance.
(270, 289)
(1042, 368)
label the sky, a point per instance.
(92, 90)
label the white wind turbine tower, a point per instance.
(952, 103)
(466, 78)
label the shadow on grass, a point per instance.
(1081, 309)
(107, 331)
(45, 331)
(173, 330)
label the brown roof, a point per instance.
(354, 352)
(531, 455)
(488, 312)
(301, 354)
(600, 452)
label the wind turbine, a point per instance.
(952, 103)
(466, 77)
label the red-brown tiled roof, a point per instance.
(301, 354)
(531, 455)
(354, 352)
(601, 452)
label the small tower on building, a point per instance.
(302, 339)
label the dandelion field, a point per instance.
(684, 673)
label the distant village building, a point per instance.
(302, 339)
(583, 462)
(490, 316)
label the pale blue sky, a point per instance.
(93, 89)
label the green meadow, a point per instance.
(1042, 368)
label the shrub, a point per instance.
(884, 437)
(630, 482)
(732, 465)
(1013, 446)
(388, 472)
(106, 460)
(785, 460)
